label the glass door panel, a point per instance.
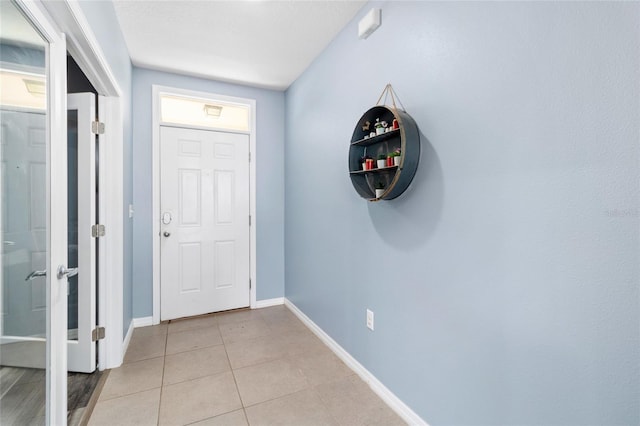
(72, 224)
(81, 211)
(23, 225)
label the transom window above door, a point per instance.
(204, 113)
(23, 89)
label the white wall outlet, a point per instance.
(370, 319)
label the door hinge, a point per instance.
(97, 231)
(97, 128)
(249, 220)
(249, 283)
(97, 334)
(249, 157)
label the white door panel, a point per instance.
(204, 222)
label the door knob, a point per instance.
(35, 274)
(166, 234)
(62, 271)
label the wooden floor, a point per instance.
(22, 395)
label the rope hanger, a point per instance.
(389, 92)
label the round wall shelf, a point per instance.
(393, 178)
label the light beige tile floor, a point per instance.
(251, 367)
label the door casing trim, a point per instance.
(156, 92)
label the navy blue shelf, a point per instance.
(406, 138)
(376, 139)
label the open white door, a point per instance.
(82, 245)
(33, 218)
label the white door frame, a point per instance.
(86, 51)
(157, 91)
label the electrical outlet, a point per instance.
(370, 319)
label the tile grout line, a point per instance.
(124, 395)
(324, 405)
(271, 334)
(283, 357)
(106, 375)
(192, 349)
(164, 362)
(233, 374)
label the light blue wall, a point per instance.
(104, 23)
(505, 282)
(269, 175)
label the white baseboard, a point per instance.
(142, 322)
(127, 339)
(381, 390)
(269, 302)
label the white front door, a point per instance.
(204, 223)
(81, 186)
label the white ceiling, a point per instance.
(258, 43)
